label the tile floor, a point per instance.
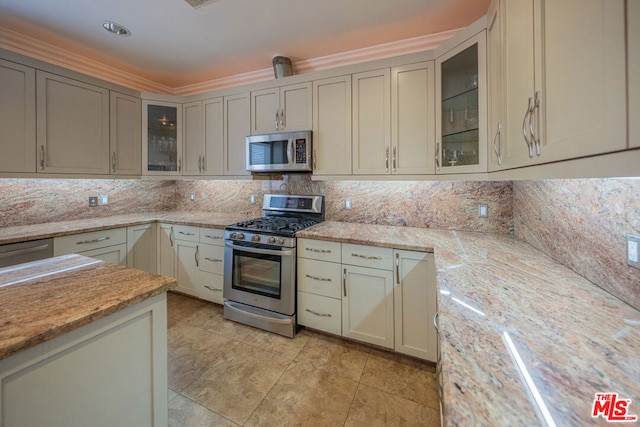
(222, 373)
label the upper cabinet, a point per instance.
(192, 138)
(461, 114)
(162, 138)
(203, 137)
(72, 126)
(237, 125)
(332, 126)
(125, 125)
(633, 62)
(281, 109)
(18, 112)
(495, 86)
(565, 96)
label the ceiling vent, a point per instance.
(199, 3)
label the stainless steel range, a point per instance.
(260, 263)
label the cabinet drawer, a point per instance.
(209, 286)
(116, 254)
(319, 277)
(213, 236)
(187, 233)
(82, 242)
(367, 256)
(321, 313)
(211, 258)
(319, 249)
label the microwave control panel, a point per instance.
(301, 150)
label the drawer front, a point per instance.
(116, 254)
(319, 249)
(212, 236)
(211, 258)
(321, 313)
(367, 256)
(319, 277)
(209, 286)
(82, 242)
(187, 233)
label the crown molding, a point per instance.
(40, 50)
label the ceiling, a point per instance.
(175, 44)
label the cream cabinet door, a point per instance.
(141, 247)
(72, 125)
(414, 298)
(413, 119)
(633, 61)
(186, 266)
(166, 261)
(213, 136)
(332, 126)
(265, 111)
(18, 112)
(372, 122)
(125, 134)
(296, 107)
(237, 125)
(367, 305)
(192, 138)
(495, 64)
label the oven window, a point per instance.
(256, 273)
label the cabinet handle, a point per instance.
(524, 127)
(386, 159)
(213, 289)
(344, 282)
(113, 161)
(536, 106)
(398, 269)
(42, 157)
(435, 323)
(366, 256)
(179, 164)
(321, 251)
(213, 259)
(209, 236)
(277, 111)
(200, 164)
(319, 279)
(316, 313)
(282, 124)
(315, 156)
(196, 256)
(437, 155)
(171, 236)
(99, 239)
(204, 164)
(395, 150)
(186, 233)
(498, 148)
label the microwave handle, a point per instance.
(290, 152)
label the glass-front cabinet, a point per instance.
(162, 138)
(461, 112)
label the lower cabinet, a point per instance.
(105, 245)
(141, 247)
(165, 253)
(186, 249)
(381, 296)
(209, 277)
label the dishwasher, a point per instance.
(17, 253)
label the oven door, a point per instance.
(263, 277)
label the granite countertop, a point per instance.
(45, 299)
(500, 301)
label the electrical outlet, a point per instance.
(252, 199)
(483, 211)
(347, 204)
(93, 201)
(192, 197)
(103, 200)
(633, 250)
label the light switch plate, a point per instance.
(347, 204)
(103, 199)
(483, 211)
(633, 250)
(192, 197)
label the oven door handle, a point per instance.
(258, 251)
(229, 304)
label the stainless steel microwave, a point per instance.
(279, 152)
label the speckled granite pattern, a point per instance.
(574, 338)
(449, 205)
(582, 224)
(42, 300)
(37, 201)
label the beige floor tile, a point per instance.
(235, 386)
(191, 352)
(335, 355)
(212, 320)
(403, 376)
(373, 408)
(186, 413)
(171, 395)
(179, 307)
(305, 396)
(288, 348)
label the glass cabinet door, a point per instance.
(462, 108)
(162, 138)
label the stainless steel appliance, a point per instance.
(260, 263)
(17, 253)
(279, 152)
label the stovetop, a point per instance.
(275, 225)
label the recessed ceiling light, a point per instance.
(114, 28)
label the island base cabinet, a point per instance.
(84, 378)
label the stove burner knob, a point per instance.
(233, 235)
(241, 236)
(255, 238)
(271, 240)
(281, 241)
